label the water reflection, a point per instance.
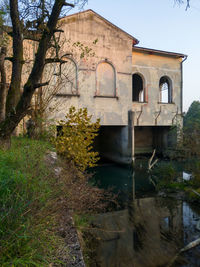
(148, 231)
(143, 235)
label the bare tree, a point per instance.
(187, 2)
(37, 21)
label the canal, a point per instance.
(145, 229)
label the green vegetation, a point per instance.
(192, 117)
(191, 131)
(89, 242)
(82, 221)
(35, 203)
(188, 146)
(27, 236)
(193, 191)
(166, 177)
(188, 149)
(166, 171)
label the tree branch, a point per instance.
(58, 30)
(41, 84)
(6, 29)
(188, 4)
(69, 4)
(27, 34)
(66, 55)
(54, 60)
(32, 35)
(9, 58)
(182, 2)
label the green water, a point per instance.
(120, 179)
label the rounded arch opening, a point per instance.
(63, 77)
(165, 86)
(138, 93)
(106, 79)
(69, 76)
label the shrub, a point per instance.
(165, 172)
(196, 175)
(191, 195)
(164, 175)
(75, 139)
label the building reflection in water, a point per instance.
(148, 233)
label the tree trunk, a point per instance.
(5, 143)
(17, 60)
(3, 85)
(15, 115)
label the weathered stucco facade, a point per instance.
(161, 107)
(113, 54)
(136, 92)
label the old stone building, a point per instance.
(135, 91)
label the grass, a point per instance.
(35, 205)
(27, 223)
(88, 241)
(82, 221)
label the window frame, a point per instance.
(143, 88)
(170, 90)
(97, 91)
(76, 87)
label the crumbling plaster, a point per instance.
(114, 46)
(152, 67)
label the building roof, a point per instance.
(158, 52)
(135, 41)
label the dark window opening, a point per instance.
(137, 88)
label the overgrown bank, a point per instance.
(168, 178)
(25, 195)
(35, 203)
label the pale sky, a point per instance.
(160, 24)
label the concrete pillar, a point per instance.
(133, 144)
(131, 133)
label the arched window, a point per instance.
(137, 88)
(106, 79)
(68, 77)
(51, 74)
(165, 86)
(62, 77)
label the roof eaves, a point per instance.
(156, 51)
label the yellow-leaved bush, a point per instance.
(75, 138)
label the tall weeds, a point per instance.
(26, 227)
(35, 205)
